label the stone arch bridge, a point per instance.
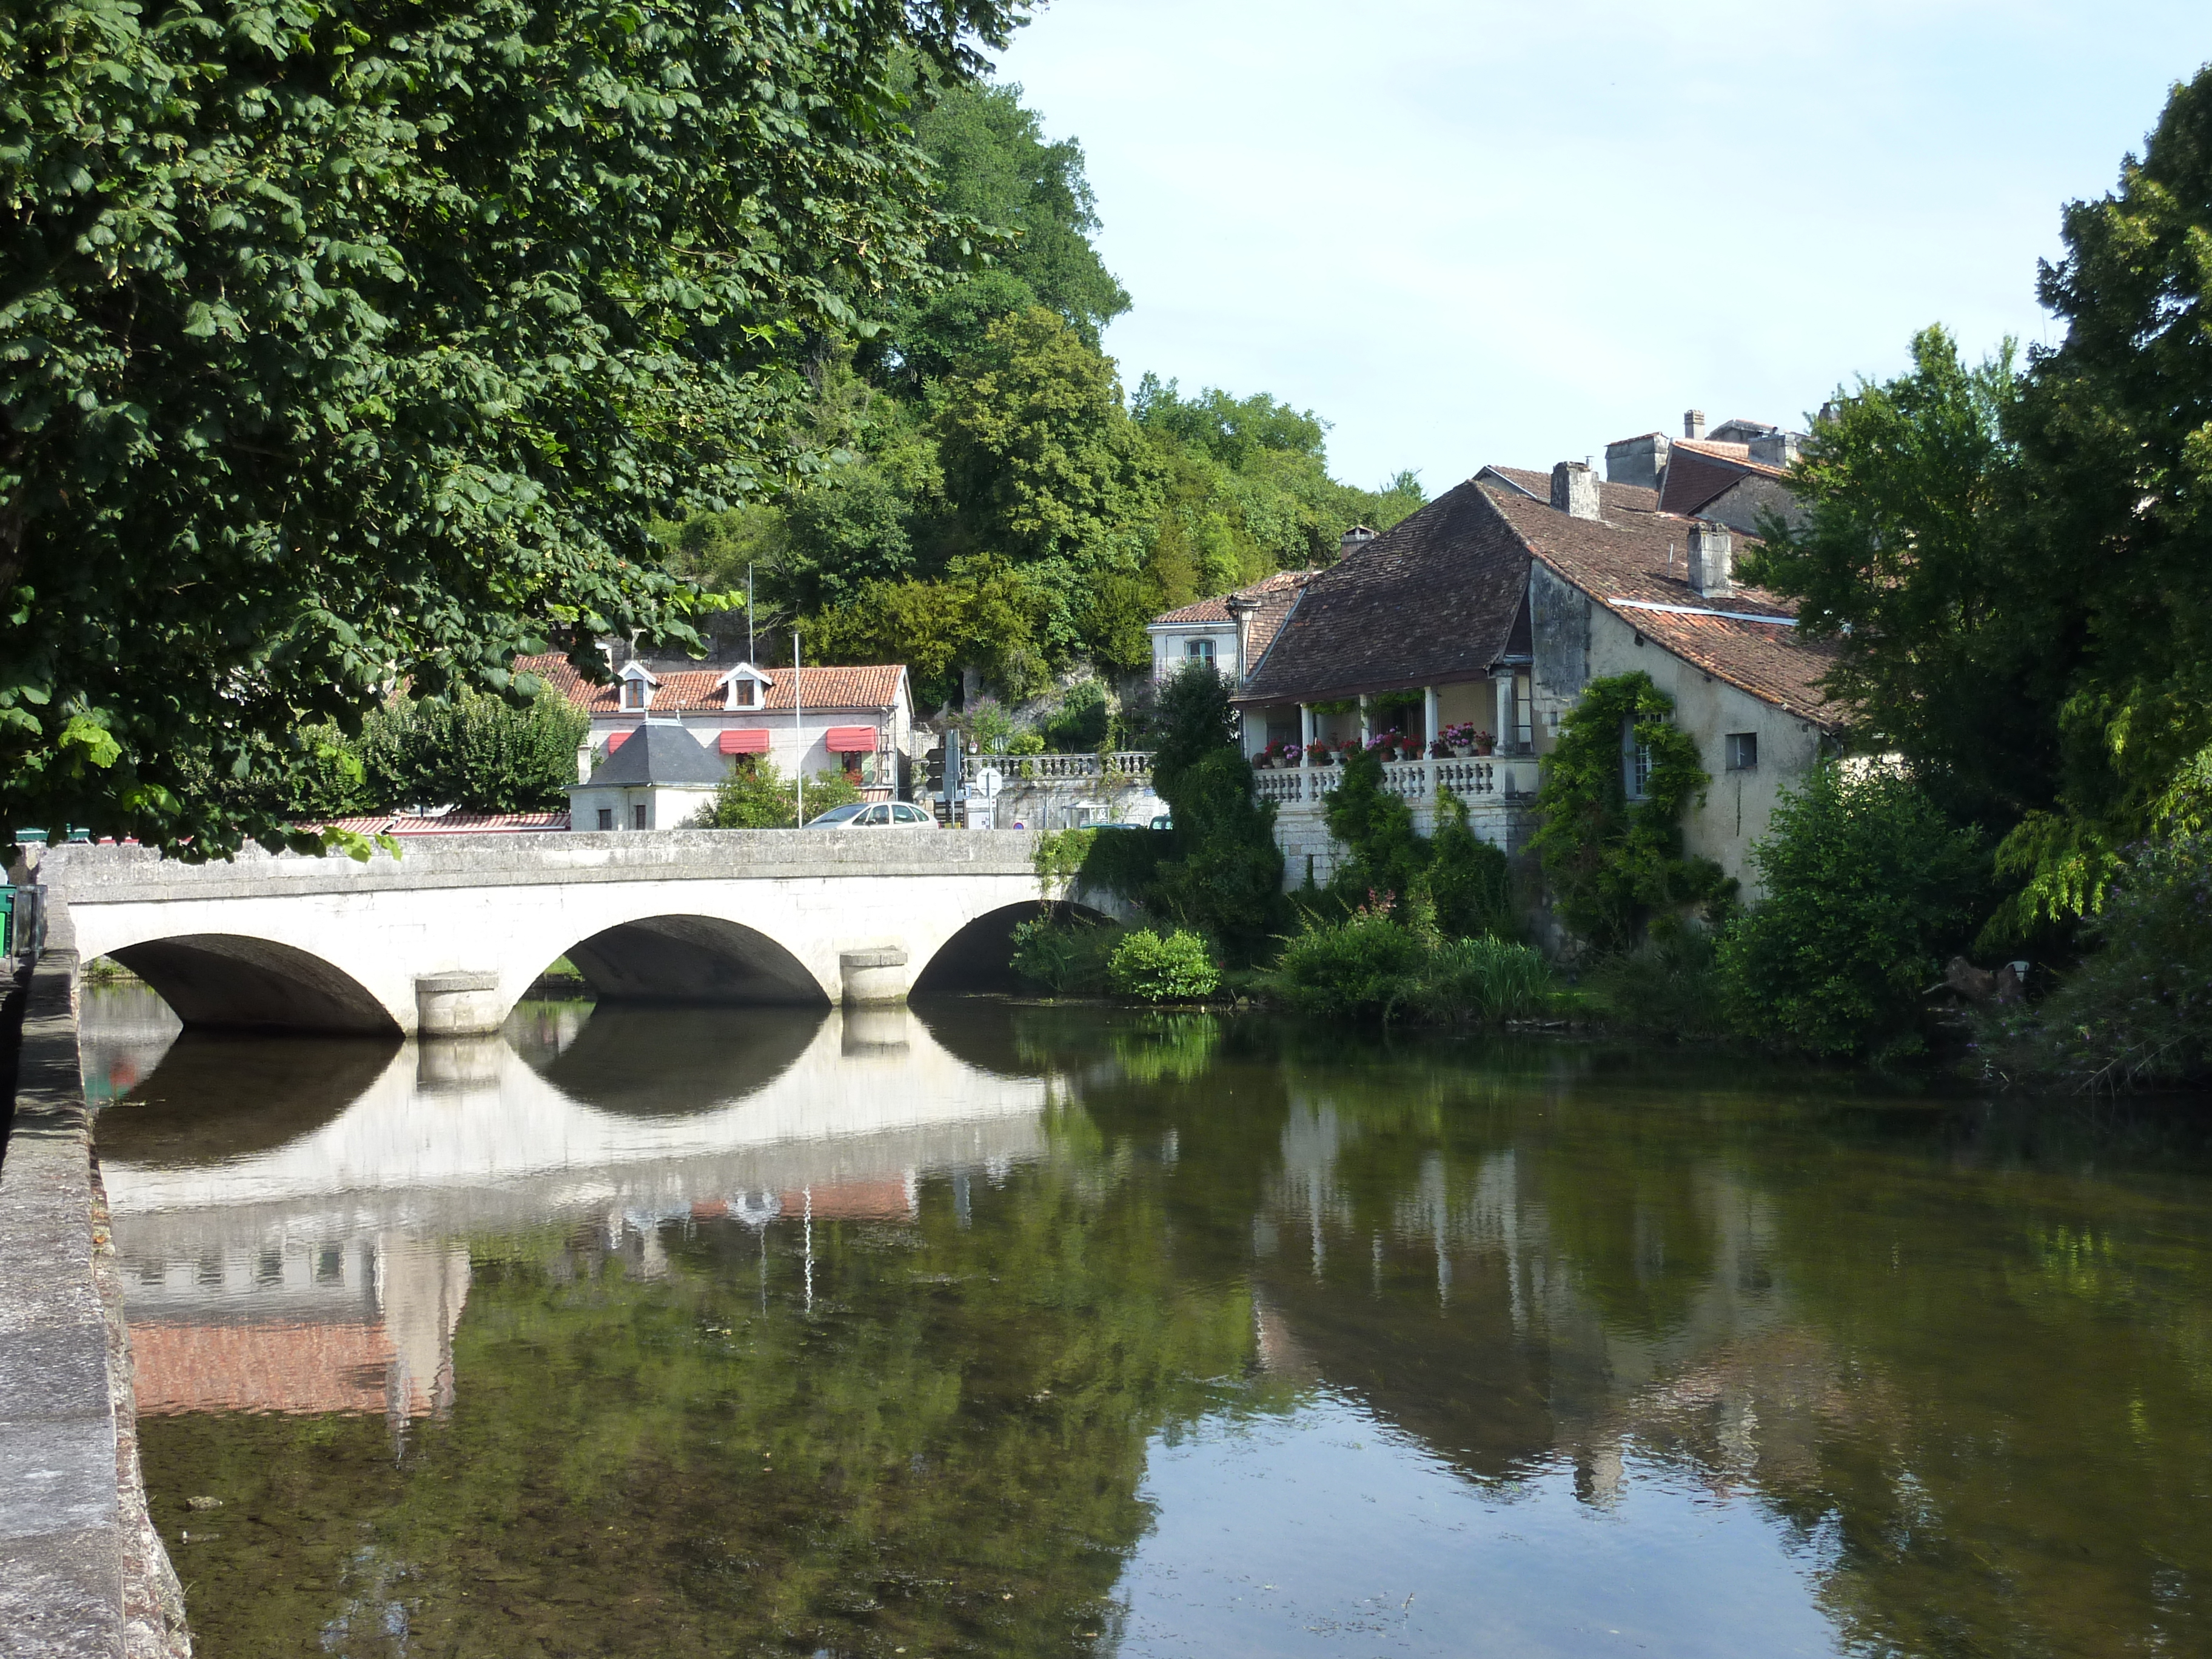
(447, 938)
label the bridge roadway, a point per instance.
(447, 939)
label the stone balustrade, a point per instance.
(1128, 764)
(1475, 781)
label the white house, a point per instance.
(859, 720)
(656, 777)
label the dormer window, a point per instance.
(637, 688)
(744, 687)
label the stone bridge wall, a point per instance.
(452, 934)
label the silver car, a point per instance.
(883, 814)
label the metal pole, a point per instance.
(750, 648)
(799, 727)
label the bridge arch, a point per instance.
(235, 981)
(678, 958)
(976, 956)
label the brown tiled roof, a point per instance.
(446, 824)
(1429, 602)
(1635, 558)
(1698, 473)
(687, 691)
(1216, 610)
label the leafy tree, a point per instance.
(1867, 887)
(1906, 561)
(1613, 863)
(992, 165)
(337, 347)
(1385, 854)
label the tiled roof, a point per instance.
(687, 691)
(1216, 610)
(1635, 558)
(1698, 473)
(658, 754)
(1432, 600)
(446, 824)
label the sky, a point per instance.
(1465, 232)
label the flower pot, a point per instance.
(1462, 750)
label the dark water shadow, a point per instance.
(645, 1061)
(219, 1096)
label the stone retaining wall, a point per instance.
(82, 1572)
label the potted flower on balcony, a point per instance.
(1483, 742)
(1290, 754)
(1321, 752)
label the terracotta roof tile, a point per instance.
(871, 688)
(1216, 610)
(1432, 600)
(1634, 558)
(1698, 473)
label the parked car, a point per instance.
(867, 815)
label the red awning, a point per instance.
(752, 741)
(850, 739)
(617, 741)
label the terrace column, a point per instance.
(1431, 729)
(1366, 730)
(1501, 680)
(1305, 732)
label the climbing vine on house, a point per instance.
(1613, 862)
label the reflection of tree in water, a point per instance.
(658, 1450)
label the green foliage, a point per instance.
(1373, 966)
(756, 795)
(1612, 863)
(336, 349)
(1384, 854)
(1059, 853)
(2139, 1010)
(1469, 881)
(1174, 968)
(1905, 564)
(479, 753)
(1067, 954)
(1867, 889)
(1666, 989)
(1082, 722)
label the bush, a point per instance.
(1668, 987)
(756, 795)
(1372, 967)
(1869, 889)
(1176, 969)
(1067, 956)
(1467, 881)
(482, 754)
(2139, 1010)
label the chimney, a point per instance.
(1574, 489)
(1693, 423)
(1354, 539)
(1775, 448)
(1712, 560)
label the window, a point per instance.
(1635, 763)
(633, 693)
(1199, 651)
(1742, 751)
(606, 818)
(637, 816)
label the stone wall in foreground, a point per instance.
(83, 1571)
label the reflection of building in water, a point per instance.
(1510, 1311)
(313, 1270)
(277, 1327)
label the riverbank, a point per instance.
(84, 1574)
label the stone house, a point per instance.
(1489, 610)
(856, 720)
(656, 777)
(1230, 631)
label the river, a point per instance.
(999, 1329)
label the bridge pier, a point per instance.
(459, 1003)
(874, 976)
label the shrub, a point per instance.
(2139, 1010)
(1065, 955)
(1176, 969)
(1868, 888)
(1371, 966)
(756, 795)
(1669, 987)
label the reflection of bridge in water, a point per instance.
(298, 1250)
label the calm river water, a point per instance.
(1004, 1330)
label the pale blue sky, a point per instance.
(1477, 232)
